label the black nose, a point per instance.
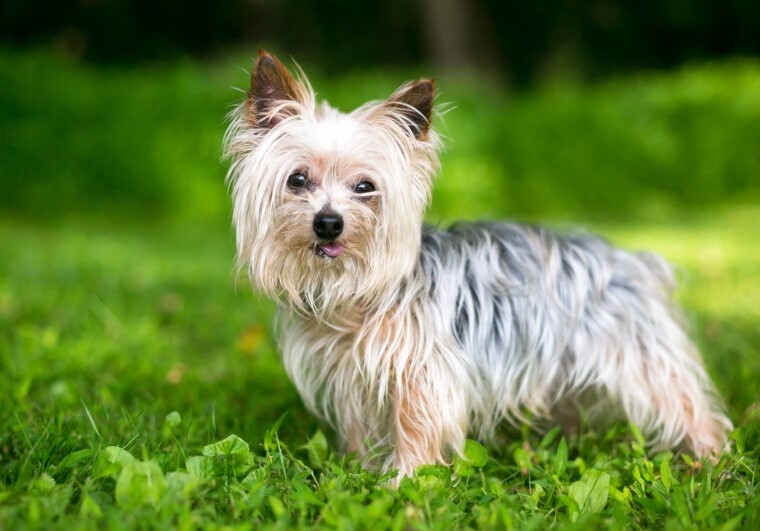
(328, 226)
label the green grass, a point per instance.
(108, 331)
(128, 348)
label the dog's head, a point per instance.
(328, 206)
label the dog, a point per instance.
(406, 338)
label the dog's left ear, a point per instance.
(412, 103)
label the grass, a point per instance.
(133, 342)
(139, 382)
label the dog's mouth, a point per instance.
(328, 249)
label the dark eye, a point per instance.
(364, 187)
(298, 180)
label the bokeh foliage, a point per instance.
(522, 42)
(148, 139)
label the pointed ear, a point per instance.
(272, 90)
(413, 104)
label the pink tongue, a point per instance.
(332, 249)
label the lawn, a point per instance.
(139, 381)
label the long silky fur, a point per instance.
(417, 337)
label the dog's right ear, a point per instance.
(273, 92)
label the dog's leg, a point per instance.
(637, 348)
(429, 396)
(397, 389)
(665, 390)
(430, 420)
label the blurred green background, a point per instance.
(640, 120)
(618, 110)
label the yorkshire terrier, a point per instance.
(408, 338)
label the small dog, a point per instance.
(409, 338)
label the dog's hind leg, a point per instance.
(664, 389)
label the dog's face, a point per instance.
(328, 206)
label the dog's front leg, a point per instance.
(429, 420)
(418, 376)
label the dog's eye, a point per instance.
(298, 180)
(364, 187)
